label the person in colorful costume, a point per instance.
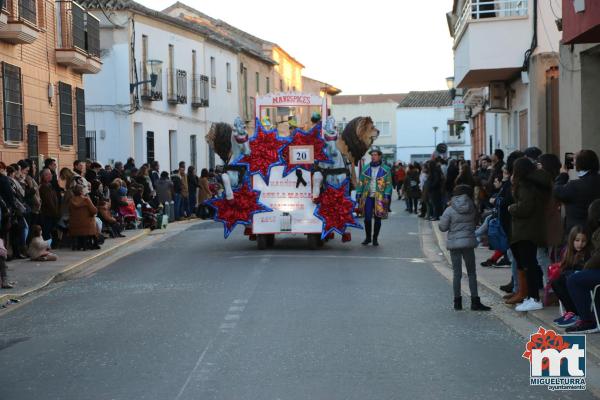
(374, 193)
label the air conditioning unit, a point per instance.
(498, 96)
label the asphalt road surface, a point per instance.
(199, 317)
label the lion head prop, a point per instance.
(357, 138)
(219, 139)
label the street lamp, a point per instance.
(435, 129)
(451, 88)
(155, 67)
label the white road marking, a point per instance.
(227, 325)
(232, 317)
(193, 371)
(234, 309)
(411, 259)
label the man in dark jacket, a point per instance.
(577, 195)
(154, 172)
(50, 163)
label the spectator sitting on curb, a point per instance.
(39, 249)
(581, 283)
(576, 255)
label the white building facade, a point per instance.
(426, 119)
(380, 107)
(166, 122)
(506, 62)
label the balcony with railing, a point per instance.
(22, 25)
(200, 91)
(77, 38)
(490, 39)
(70, 34)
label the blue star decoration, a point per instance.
(312, 137)
(240, 210)
(265, 152)
(335, 209)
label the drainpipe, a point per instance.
(534, 39)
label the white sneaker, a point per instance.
(520, 306)
(529, 305)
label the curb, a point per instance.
(78, 266)
(72, 269)
(530, 315)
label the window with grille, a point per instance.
(28, 11)
(66, 114)
(204, 90)
(213, 71)
(149, 146)
(90, 145)
(193, 151)
(81, 133)
(228, 77)
(13, 103)
(181, 86)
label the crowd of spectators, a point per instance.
(538, 215)
(82, 206)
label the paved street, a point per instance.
(197, 317)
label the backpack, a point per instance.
(497, 238)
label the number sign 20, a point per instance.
(302, 154)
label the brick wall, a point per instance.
(38, 68)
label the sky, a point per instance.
(361, 47)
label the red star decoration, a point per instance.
(264, 153)
(335, 210)
(300, 138)
(239, 210)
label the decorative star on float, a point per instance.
(240, 210)
(335, 209)
(265, 151)
(299, 138)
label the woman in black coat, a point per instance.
(434, 189)
(577, 195)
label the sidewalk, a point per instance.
(493, 278)
(31, 276)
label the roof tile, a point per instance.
(435, 98)
(369, 98)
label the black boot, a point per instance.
(376, 233)
(368, 228)
(477, 306)
(508, 288)
(458, 303)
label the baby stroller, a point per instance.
(147, 215)
(128, 216)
